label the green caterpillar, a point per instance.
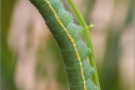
(68, 37)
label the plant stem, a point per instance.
(88, 40)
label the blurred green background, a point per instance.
(30, 58)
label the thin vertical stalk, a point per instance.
(88, 41)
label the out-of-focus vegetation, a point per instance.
(7, 67)
(30, 58)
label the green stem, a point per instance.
(88, 40)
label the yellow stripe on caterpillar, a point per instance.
(72, 40)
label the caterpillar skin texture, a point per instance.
(68, 37)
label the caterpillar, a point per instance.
(68, 37)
